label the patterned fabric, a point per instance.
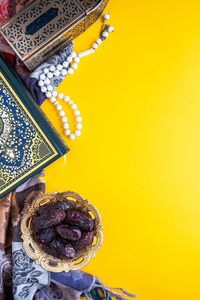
(6, 11)
(27, 276)
(55, 60)
(75, 279)
(11, 251)
(31, 79)
(57, 291)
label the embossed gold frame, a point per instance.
(48, 262)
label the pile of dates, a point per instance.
(62, 230)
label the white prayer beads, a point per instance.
(68, 67)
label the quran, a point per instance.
(28, 141)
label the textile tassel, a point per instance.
(98, 292)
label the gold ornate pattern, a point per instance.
(23, 146)
(25, 44)
(73, 18)
(57, 45)
(5, 178)
(95, 13)
(5, 125)
(35, 252)
(76, 30)
(89, 4)
(38, 149)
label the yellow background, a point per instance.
(138, 158)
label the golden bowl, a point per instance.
(48, 262)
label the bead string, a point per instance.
(68, 67)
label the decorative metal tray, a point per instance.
(48, 262)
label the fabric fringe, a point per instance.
(98, 292)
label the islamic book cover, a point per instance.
(28, 141)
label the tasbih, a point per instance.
(68, 67)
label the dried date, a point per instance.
(80, 219)
(50, 219)
(49, 207)
(48, 250)
(86, 240)
(63, 249)
(62, 230)
(68, 232)
(46, 235)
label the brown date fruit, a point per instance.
(63, 249)
(87, 239)
(68, 232)
(48, 250)
(80, 219)
(47, 235)
(47, 220)
(49, 207)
